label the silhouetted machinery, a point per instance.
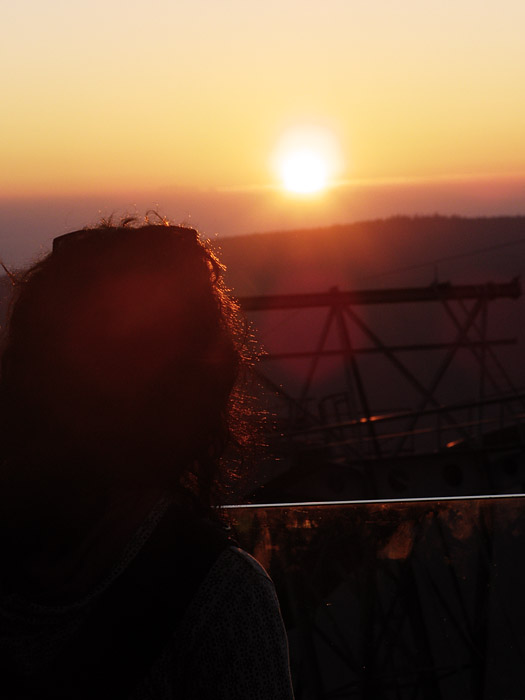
(391, 392)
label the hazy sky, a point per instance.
(122, 96)
(118, 93)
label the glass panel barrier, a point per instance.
(397, 600)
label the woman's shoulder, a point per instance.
(235, 579)
(236, 600)
(232, 643)
(239, 563)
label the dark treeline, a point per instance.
(393, 252)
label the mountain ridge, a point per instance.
(396, 251)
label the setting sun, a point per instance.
(306, 159)
(261, 117)
(304, 172)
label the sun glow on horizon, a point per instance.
(376, 96)
(304, 172)
(306, 159)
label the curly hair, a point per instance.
(121, 360)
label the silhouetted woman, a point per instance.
(117, 400)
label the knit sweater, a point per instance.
(230, 643)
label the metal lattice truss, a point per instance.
(347, 414)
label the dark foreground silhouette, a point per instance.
(119, 395)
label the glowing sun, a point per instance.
(306, 158)
(304, 171)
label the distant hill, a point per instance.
(392, 252)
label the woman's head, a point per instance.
(123, 343)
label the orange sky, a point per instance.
(158, 103)
(111, 95)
